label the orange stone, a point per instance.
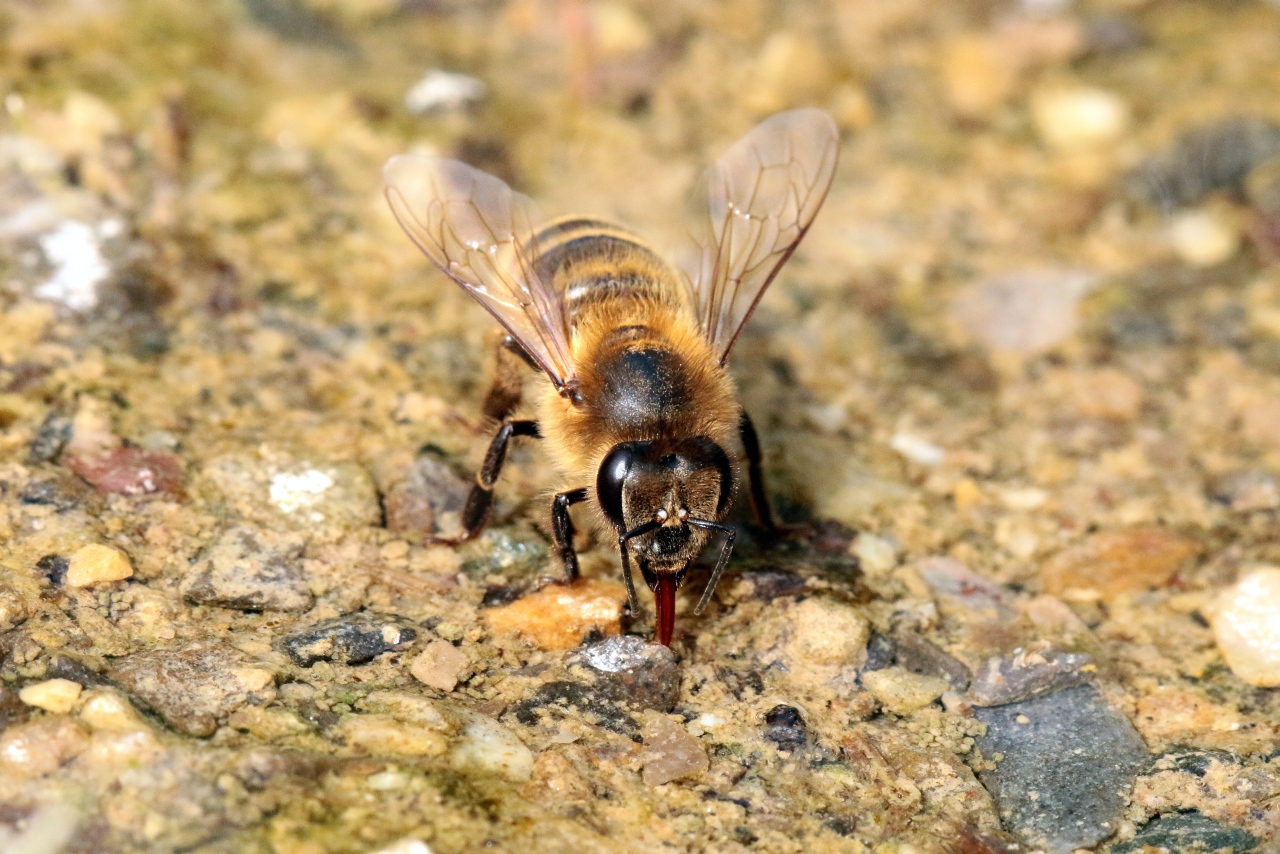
(1114, 562)
(559, 616)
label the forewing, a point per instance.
(477, 230)
(762, 195)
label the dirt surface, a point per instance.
(1019, 385)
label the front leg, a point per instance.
(562, 530)
(480, 500)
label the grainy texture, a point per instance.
(1018, 384)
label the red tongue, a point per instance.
(664, 595)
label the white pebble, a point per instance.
(57, 696)
(292, 492)
(405, 846)
(1202, 238)
(876, 555)
(73, 249)
(1246, 624)
(1078, 117)
(45, 831)
(917, 450)
(443, 90)
(487, 745)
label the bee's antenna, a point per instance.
(626, 560)
(729, 536)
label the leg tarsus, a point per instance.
(480, 499)
(562, 530)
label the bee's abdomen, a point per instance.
(591, 261)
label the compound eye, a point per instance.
(612, 477)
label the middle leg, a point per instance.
(480, 500)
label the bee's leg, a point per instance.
(759, 498)
(480, 500)
(562, 530)
(508, 386)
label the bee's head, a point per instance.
(673, 484)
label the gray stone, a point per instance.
(353, 639)
(560, 698)
(428, 491)
(194, 687)
(785, 727)
(631, 670)
(1065, 765)
(1188, 832)
(248, 570)
(917, 655)
(1031, 672)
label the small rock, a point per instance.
(54, 568)
(876, 555)
(250, 570)
(1114, 562)
(631, 670)
(916, 449)
(383, 735)
(917, 655)
(353, 639)
(785, 727)
(670, 753)
(960, 588)
(556, 698)
(880, 653)
(770, 584)
(443, 90)
(427, 499)
(57, 696)
(97, 564)
(1246, 625)
(1204, 237)
(977, 75)
(51, 438)
(406, 846)
(1031, 672)
(1025, 311)
(41, 746)
(1065, 763)
(196, 686)
(559, 616)
(826, 632)
(901, 691)
(1189, 831)
(106, 710)
(489, 747)
(439, 665)
(130, 471)
(1078, 117)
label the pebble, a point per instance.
(273, 489)
(826, 632)
(876, 555)
(1249, 490)
(959, 588)
(923, 658)
(1204, 237)
(559, 616)
(1246, 624)
(439, 665)
(131, 471)
(106, 710)
(1037, 670)
(670, 753)
(1078, 117)
(917, 450)
(1064, 765)
(353, 639)
(1111, 563)
(554, 699)
(57, 696)
(443, 90)
(250, 570)
(425, 499)
(406, 846)
(1189, 831)
(74, 250)
(195, 687)
(487, 746)
(631, 670)
(1023, 311)
(97, 564)
(902, 692)
(41, 746)
(785, 727)
(383, 735)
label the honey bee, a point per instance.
(640, 413)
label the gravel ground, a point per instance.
(1020, 385)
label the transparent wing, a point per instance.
(762, 195)
(478, 231)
